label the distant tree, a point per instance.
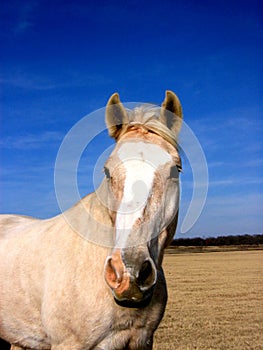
(219, 241)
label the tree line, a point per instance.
(219, 241)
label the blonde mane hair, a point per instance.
(147, 117)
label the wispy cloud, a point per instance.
(29, 81)
(26, 78)
(216, 164)
(227, 214)
(253, 163)
(20, 15)
(234, 119)
(240, 207)
(243, 181)
(31, 141)
(25, 19)
(233, 182)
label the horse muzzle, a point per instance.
(133, 283)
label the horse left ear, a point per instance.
(171, 113)
(116, 116)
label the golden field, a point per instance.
(215, 302)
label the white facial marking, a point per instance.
(141, 160)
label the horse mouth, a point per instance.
(134, 303)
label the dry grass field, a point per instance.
(215, 302)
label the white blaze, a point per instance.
(141, 160)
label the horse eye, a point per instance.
(174, 172)
(107, 173)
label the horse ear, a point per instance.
(171, 113)
(116, 116)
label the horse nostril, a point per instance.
(147, 275)
(112, 276)
(115, 274)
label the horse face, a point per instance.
(143, 194)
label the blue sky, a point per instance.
(62, 60)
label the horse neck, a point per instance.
(90, 219)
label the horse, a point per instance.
(61, 291)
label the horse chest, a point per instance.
(130, 328)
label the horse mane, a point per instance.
(148, 117)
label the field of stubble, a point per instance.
(215, 302)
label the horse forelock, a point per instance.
(146, 117)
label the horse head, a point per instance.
(142, 186)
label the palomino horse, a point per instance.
(61, 291)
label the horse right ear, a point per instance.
(116, 116)
(171, 112)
